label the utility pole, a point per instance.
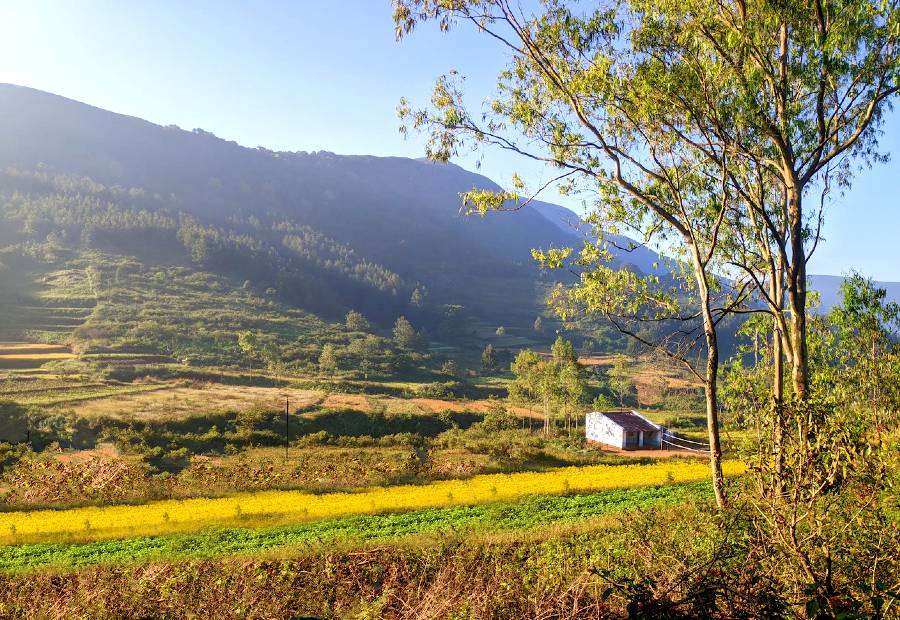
(287, 428)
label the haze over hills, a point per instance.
(391, 220)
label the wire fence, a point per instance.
(683, 444)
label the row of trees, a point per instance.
(558, 383)
(364, 351)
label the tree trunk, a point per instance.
(712, 416)
(778, 405)
(711, 385)
(796, 284)
(776, 294)
(872, 376)
(546, 418)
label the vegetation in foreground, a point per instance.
(683, 561)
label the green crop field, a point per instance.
(529, 513)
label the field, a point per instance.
(533, 512)
(23, 355)
(271, 507)
(181, 401)
(151, 449)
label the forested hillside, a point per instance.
(326, 232)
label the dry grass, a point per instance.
(599, 360)
(31, 355)
(42, 357)
(435, 405)
(12, 347)
(347, 401)
(102, 451)
(181, 402)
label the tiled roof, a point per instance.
(630, 421)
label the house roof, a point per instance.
(630, 421)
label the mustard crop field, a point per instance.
(528, 513)
(270, 508)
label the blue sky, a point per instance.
(307, 75)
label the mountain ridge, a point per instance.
(376, 228)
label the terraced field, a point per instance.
(26, 355)
(47, 306)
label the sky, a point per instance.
(304, 75)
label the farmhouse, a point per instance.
(626, 430)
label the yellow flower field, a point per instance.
(279, 507)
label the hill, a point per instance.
(88, 193)
(397, 216)
(316, 231)
(829, 288)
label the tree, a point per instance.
(778, 98)
(356, 322)
(563, 352)
(524, 387)
(600, 130)
(708, 125)
(534, 381)
(417, 298)
(270, 351)
(497, 417)
(620, 381)
(257, 345)
(450, 368)
(539, 325)
(866, 326)
(366, 351)
(558, 381)
(249, 343)
(405, 336)
(500, 332)
(488, 359)
(328, 361)
(572, 387)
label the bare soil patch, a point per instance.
(102, 451)
(598, 360)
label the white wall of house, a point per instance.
(599, 428)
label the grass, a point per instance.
(11, 348)
(530, 513)
(37, 357)
(77, 394)
(279, 507)
(176, 400)
(20, 355)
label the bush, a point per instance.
(446, 389)
(497, 418)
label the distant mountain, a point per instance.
(328, 232)
(324, 233)
(627, 251)
(829, 287)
